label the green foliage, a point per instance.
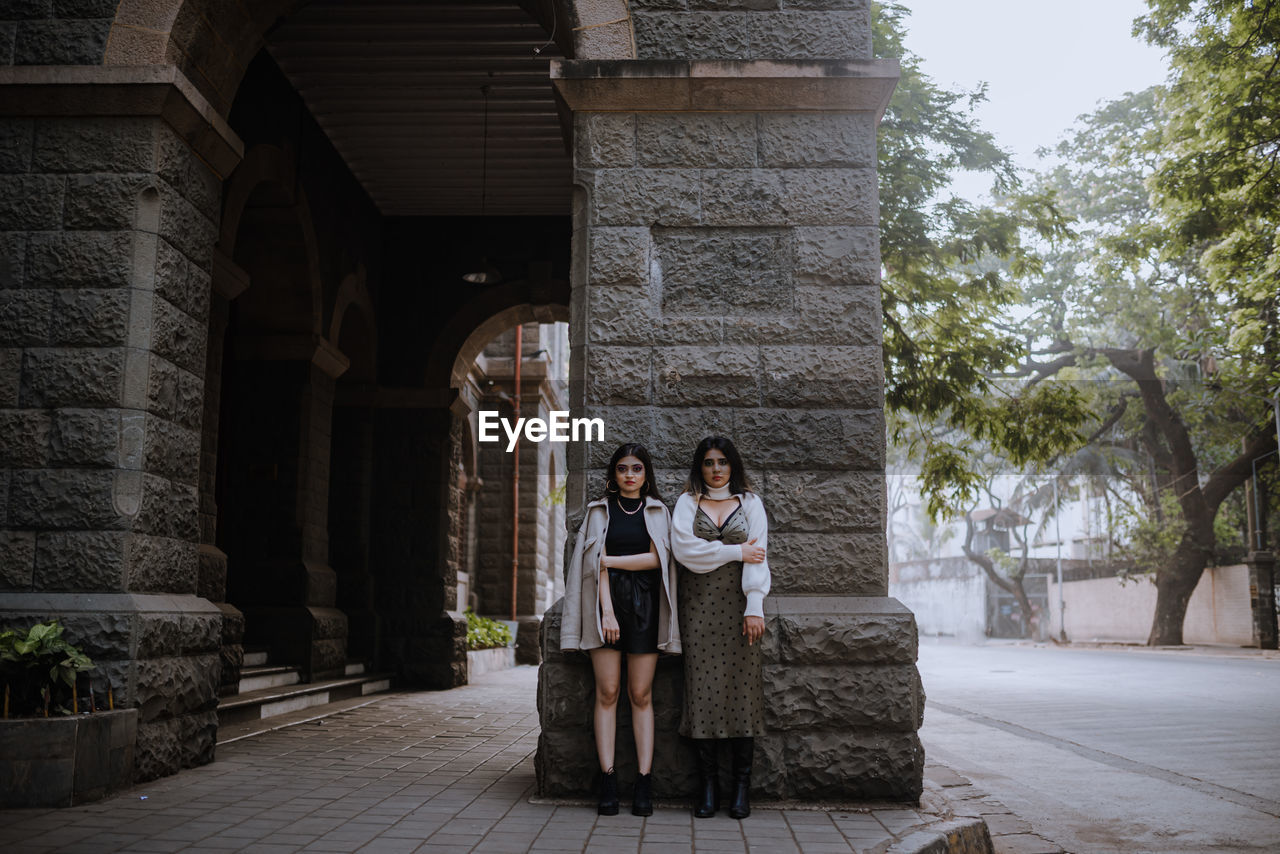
(38, 665)
(555, 498)
(1217, 181)
(949, 288)
(1150, 539)
(1006, 564)
(484, 633)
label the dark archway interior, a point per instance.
(339, 459)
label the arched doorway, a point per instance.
(513, 544)
(341, 449)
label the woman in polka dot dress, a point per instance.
(719, 536)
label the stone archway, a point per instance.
(516, 357)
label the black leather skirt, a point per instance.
(635, 603)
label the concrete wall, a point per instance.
(948, 596)
(1106, 609)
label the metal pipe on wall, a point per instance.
(515, 477)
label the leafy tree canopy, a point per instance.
(947, 300)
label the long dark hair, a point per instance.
(737, 474)
(641, 453)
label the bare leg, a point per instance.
(640, 670)
(607, 664)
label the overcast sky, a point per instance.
(1044, 62)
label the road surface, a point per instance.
(1109, 750)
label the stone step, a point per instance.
(262, 676)
(354, 668)
(256, 658)
(279, 700)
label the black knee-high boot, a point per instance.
(707, 799)
(743, 749)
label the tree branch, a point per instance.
(1231, 475)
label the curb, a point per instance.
(959, 836)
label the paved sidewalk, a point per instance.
(448, 771)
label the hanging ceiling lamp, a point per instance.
(484, 273)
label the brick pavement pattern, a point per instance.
(448, 771)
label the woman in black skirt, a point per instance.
(620, 599)
(719, 534)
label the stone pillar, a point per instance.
(229, 281)
(726, 281)
(1262, 597)
(109, 195)
(350, 499)
(423, 638)
(280, 575)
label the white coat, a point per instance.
(580, 620)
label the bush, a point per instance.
(39, 669)
(484, 633)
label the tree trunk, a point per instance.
(1174, 587)
(1024, 604)
(1009, 586)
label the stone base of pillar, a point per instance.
(528, 644)
(434, 655)
(160, 654)
(843, 704)
(232, 653)
(309, 636)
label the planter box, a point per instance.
(481, 661)
(59, 762)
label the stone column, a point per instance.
(726, 281)
(1262, 597)
(350, 498)
(229, 281)
(280, 576)
(423, 638)
(109, 195)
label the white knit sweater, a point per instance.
(699, 555)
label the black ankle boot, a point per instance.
(608, 794)
(707, 799)
(642, 795)
(743, 749)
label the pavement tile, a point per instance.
(390, 845)
(1004, 824)
(1023, 844)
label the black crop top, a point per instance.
(627, 532)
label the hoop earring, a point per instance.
(611, 486)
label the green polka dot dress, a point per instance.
(723, 686)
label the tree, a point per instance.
(1128, 306)
(944, 296)
(1003, 569)
(1217, 181)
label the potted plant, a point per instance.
(488, 645)
(40, 669)
(55, 749)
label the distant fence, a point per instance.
(1104, 609)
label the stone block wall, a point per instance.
(55, 32)
(726, 280)
(751, 29)
(106, 230)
